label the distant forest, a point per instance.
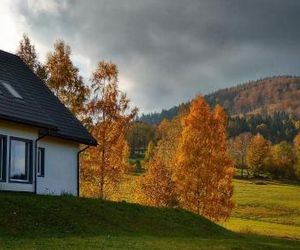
(263, 127)
(262, 97)
(270, 106)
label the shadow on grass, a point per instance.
(30, 221)
(31, 216)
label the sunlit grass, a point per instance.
(272, 209)
(41, 222)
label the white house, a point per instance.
(39, 137)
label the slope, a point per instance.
(268, 95)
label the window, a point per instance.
(20, 160)
(41, 162)
(11, 90)
(2, 158)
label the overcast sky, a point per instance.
(167, 51)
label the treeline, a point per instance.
(157, 117)
(267, 95)
(276, 127)
(257, 157)
(264, 96)
(260, 145)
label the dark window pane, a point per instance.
(2, 157)
(41, 162)
(19, 153)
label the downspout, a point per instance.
(78, 169)
(35, 163)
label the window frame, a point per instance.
(28, 159)
(3, 153)
(40, 162)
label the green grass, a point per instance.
(41, 222)
(272, 209)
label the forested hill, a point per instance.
(268, 95)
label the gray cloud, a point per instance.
(168, 51)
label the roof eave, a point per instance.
(28, 122)
(90, 142)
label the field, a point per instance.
(271, 209)
(40, 222)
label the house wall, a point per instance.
(16, 130)
(60, 167)
(60, 162)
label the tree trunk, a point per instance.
(103, 162)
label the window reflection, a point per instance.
(19, 160)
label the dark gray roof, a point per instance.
(38, 105)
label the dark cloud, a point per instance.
(171, 50)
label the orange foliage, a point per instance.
(204, 171)
(64, 79)
(238, 150)
(156, 188)
(26, 51)
(258, 152)
(104, 165)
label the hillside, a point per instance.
(41, 222)
(268, 95)
(27, 215)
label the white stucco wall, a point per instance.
(60, 162)
(60, 167)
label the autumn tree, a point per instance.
(104, 165)
(139, 135)
(282, 160)
(204, 171)
(64, 79)
(297, 155)
(169, 133)
(150, 151)
(157, 187)
(238, 149)
(257, 154)
(27, 52)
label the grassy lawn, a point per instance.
(41, 222)
(272, 209)
(148, 243)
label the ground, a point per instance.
(261, 207)
(271, 209)
(42, 222)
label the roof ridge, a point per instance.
(8, 53)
